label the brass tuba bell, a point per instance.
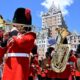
(61, 54)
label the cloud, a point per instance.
(58, 3)
(41, 13)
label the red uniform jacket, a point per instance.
(34, 66)
(17, 68)
(75, 71)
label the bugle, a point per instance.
(15, 24)
(31, 27)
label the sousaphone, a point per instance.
(61, 54)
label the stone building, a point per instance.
(51, 20)
(74, 40)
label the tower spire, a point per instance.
(53, 8)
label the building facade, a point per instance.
(42, 43)
(51, 20)
(74, 40)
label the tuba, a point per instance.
(61, 54)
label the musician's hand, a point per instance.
(47, 66)
(5, 57)
(72, 68)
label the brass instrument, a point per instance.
(61, 54)
(17, 25)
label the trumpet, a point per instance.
(14, 24)
(19, 26)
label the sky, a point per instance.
(70, 10)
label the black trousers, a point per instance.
(30, 78)
(77, 78)
(41, 78)
(59, 79)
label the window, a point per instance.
(74, 37)
(75, 46)
(78, 37)
(39, 41)
(70, 37)
(74, 40)
(79, 41)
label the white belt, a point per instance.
(70, 63)
(17, 55)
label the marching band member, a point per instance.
(1, 29)
(63, 75)
(17, 64)
(76, 69)
(34, 64)
(48, 59)
(72, 60)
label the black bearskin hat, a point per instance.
(1, 17)
(22, 16)
(78, 49)
(49, 51)
(65, 41)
